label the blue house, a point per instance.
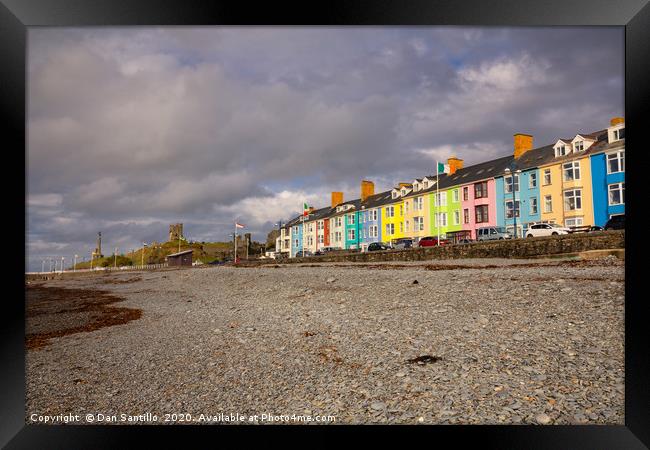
(526, 208)
(296, 236)
(608, 175)
(370, 219)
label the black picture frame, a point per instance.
(17, 15)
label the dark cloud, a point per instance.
(132, 129)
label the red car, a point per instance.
(431, 241)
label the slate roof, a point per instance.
(375, 200)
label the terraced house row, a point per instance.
(574, 182)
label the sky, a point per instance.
(132, 129)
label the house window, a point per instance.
(373, 231)
(406, 206)
(390, 229)
(351, 219)
(401, 227)
(465, 215)
(401, 210)
(481, 213)
(295, 230)
(403, 191)
(394, 194)
(532, 180)
(547, 177)
(509, 211)
(480, 190)
(426, 184)
(616, 194)
(579, 146)
(441, 219)
(418, 223)
(571, 171)
(560, 150)
(619, 134)
(440, 199)
(351, 234)
(374, 214)
(548, 204)
(338, 236)
(320, 239)
(533, 206)
(466, 193)
(508, 183)
(573, 199)
(616, 162)
(455, 195)
(295, 243)
(573, 222)
(390, 211)
(419, 203)
(457, 217)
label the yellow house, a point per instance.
(417, 208)
(392, 214)
(566, 195)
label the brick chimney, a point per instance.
(454, 164)
(367, 189)
(523, 143)
(337, 199)
(616, 121)
(408, 185)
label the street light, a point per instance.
(74, 267)
(62, 260)
(511, 171)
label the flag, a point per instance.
(305, 209)
(238, 225)
(443, 168)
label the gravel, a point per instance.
(492, 346)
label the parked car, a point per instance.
(616, 223)
(596, 228)
(303, 253)
(328, 249)
(546, 229)
(377, 246)
(431, 241)
(466, 241)
(401, 244)
(492, 234)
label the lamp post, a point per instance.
(513, 173)
(62, 261)
(144, 245)
(115, 261)
(74, 266)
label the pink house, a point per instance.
(478, 194)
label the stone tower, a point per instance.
(175, 231)
(98, 250)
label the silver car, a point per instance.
(492, 234)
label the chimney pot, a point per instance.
(616, 121)
(454, 164)
(523, 143)
(367, 189)
(337, 199)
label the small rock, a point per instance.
(543, 419)
(330, 280)
(378, 406)
(415, 282)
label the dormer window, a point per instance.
(426, 184)
(579, 146)
(619, 134)
(560, 150)
(403, 191)
(394, 194)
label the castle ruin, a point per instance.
(175, 231)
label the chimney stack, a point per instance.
(337, 199)
(616, 121)
(367, 189)
(454, 164)
(523, 143)
(408, 185)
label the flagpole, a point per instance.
(235, 262)
(438, 199)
